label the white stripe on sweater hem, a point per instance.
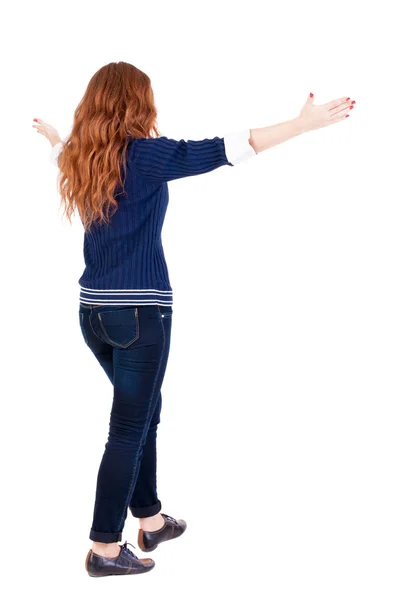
(131, 302)
(120, 292)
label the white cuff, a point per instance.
(237, 146)
(55, 152)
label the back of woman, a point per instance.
(114, 168)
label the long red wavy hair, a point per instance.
(118, 104)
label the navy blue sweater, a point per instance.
(124, 261)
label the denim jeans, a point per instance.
(132, 344)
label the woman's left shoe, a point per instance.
(125, 563)
(172, 528)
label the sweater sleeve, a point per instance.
(163, 159)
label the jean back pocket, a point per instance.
(119, 328)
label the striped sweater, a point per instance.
(124, 261)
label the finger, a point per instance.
(39, 129)
(336, 103)
(340, 114)
(344, 105)
(342, 108)
(41, 123)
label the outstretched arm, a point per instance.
(164, 159)
(310, 117)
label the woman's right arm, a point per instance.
(311, 117)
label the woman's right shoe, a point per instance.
(126, 563)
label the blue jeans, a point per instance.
(132, 345)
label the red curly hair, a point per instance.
(118, 104)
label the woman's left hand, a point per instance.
(48, 131)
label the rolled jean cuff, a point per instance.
(105, 537)
(146, 511)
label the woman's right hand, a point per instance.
(321, 115)
(48, 131)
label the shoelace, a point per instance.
(171, 518)
(124, 546)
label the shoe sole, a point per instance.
(109, 574)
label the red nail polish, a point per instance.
(347, 99)
(347, 115)
(353, 101)
(34, 119)
(350, 107)
(311, 95)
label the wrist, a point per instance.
(54, 140)
(301, 125)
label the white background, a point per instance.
(278, 436)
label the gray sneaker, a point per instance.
(126, 563)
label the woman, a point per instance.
(115, 158)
